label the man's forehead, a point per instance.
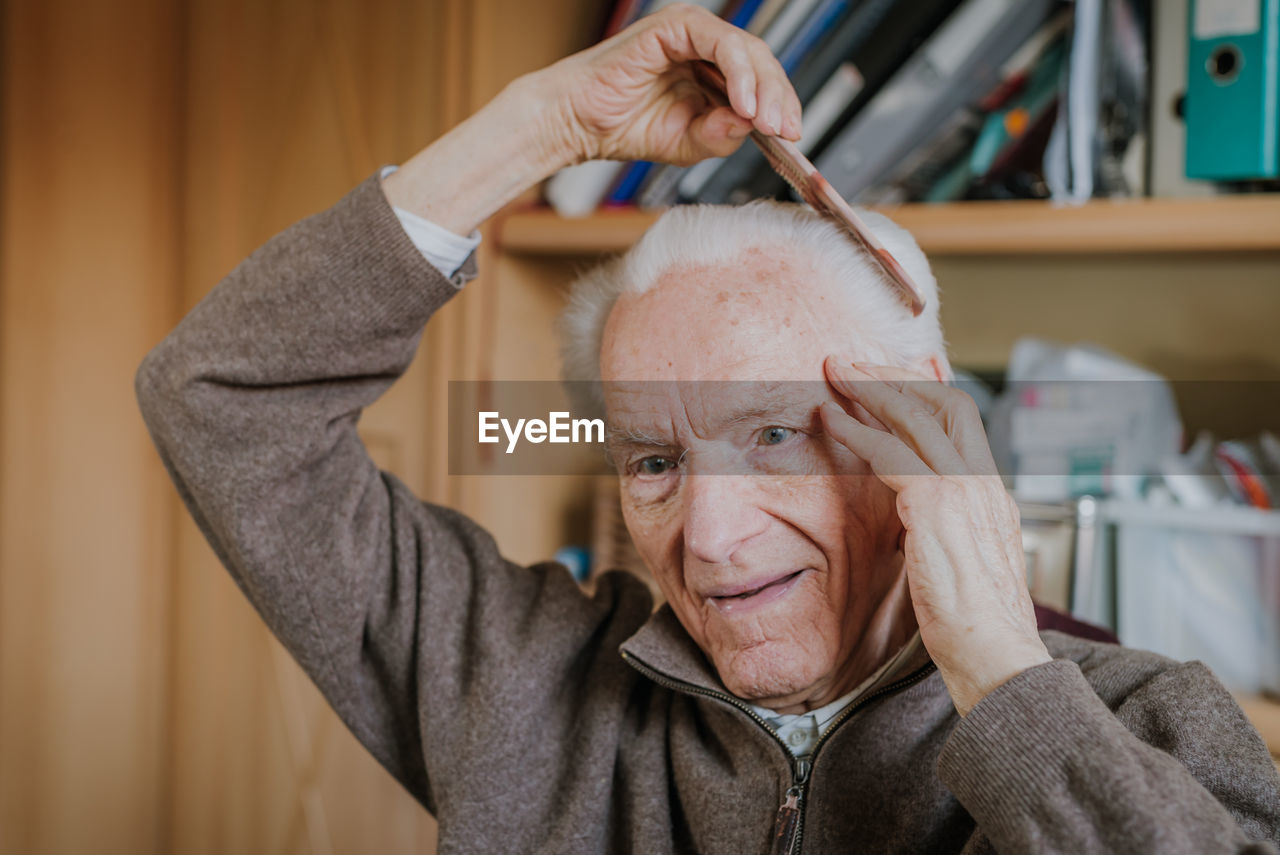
(719, 395)
(749, 283)
(773, 317)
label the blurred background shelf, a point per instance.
(1264, 714)
(1215, 224)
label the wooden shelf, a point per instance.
(541, 231)
(1214, 224)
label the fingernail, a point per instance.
(794, 126)
(749, 104)
(773, 121)
(737, 132)
(844, 384)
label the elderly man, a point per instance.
(848, 659)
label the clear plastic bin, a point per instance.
(1199, 584)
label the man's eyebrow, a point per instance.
(767, 400)
(615, 436)
(771, 400)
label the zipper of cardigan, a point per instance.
(788, 827)
(790, 818)
(844, 716)
(787, 822)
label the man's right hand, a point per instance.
(633, 96)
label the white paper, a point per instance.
(1217, 18)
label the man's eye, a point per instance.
(653, 466)
(775, 435)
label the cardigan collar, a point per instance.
(662, 648)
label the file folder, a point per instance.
(1167, 164)
(1233, 76)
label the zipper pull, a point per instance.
(786, 823)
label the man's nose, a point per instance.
(720, 514)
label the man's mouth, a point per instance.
(737, 599)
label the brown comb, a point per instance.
(804, 178)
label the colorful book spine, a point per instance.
(832, 81)
(824, 18)
(960, 62)
(629, 183)
(764, 17)
(788, 21)
(742, 15)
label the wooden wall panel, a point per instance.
(510, 311)
(88, 242)
(290, 104)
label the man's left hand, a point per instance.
(962, 544)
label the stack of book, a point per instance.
(923, 100)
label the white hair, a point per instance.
(705, 235)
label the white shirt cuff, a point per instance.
(445, 250)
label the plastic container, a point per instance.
(1200, 584)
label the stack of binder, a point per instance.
(944, 100)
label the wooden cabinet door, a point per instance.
(289, 105)
(88, 266)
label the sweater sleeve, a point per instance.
(404, 614)
(1044, 765)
